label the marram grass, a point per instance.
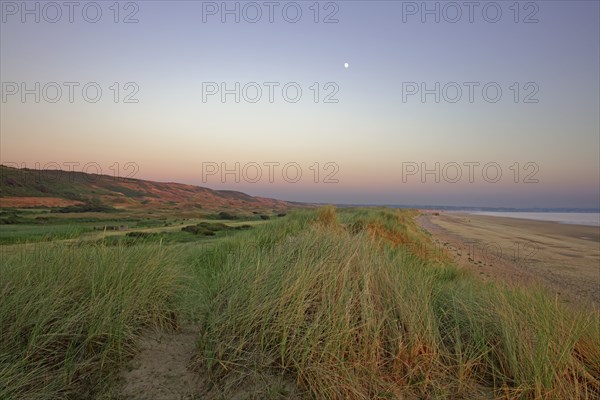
(345, 310)
(341, 304)
(69, 320)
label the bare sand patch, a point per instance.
(161, 370)
(164, 370)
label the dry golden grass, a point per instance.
(345, 308)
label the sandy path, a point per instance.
(160, 371)
(563, 258)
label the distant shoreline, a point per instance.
(570, 218)
(430, 207)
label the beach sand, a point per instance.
(563, 258)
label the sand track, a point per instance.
(160, 371)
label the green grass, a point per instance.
(344, 304)
(68, 322)
(42, 225)
(13, 234)
(347, 311)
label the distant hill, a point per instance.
(55, 188)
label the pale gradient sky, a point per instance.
(368, 134)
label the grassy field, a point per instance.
(47, 225)
(342, 304)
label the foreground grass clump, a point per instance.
(351, 306)
(69, 316)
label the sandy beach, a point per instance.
(563, 258)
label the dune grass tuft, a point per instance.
(338, 304)
(349, 311)
(67, 321)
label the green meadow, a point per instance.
(315, 304)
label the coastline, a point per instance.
(570, 218)
(563, 258)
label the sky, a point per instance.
(359, 102)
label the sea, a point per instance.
(573, 216)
